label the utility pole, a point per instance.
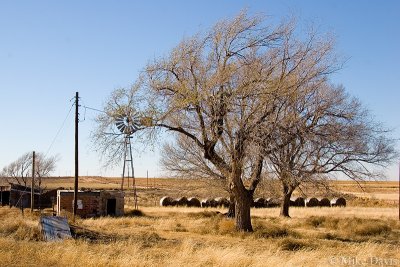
(76, 154)
(33, 182)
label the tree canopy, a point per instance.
(243, 94)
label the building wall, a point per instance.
(90, 204)
(120, 202)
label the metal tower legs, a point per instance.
(128, 170)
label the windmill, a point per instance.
(128, 122)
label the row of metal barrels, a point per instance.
(257, 203)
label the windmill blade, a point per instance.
(129, 122)
(121, 127)
(135, 127)
(119, 123)
(136, 121)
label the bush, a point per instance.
(134, 213)
(273, 232)
(203, 214)
(291, 244)
(371, 229)
(321, 221)
(315, 221)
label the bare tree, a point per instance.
(107, 140)
(329, 132)
(20, 170)
(44, 166)
(224, 92)
(183, 159)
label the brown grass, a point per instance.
(172, 236)
(184, 236)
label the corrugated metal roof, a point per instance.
(54, 228)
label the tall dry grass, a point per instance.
(161, 236)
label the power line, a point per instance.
(59, 130)
(95, 109)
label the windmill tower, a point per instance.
(128, 123)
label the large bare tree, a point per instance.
(224, 91)
(323, 131)
(225, 94)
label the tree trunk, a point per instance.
(231, 210)
(242, 211)
(287, 193)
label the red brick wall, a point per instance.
(90, 203)
(93, 203)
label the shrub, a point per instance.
(315, 221)
(134, 213)
(203, 214)
(291, 244)
(272, 232)
(180, 228)
(371, 229)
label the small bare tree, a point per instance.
(44, 167)
(20, 170)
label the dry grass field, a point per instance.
(371, 194)
(366, 233)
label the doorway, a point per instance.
(111, 206)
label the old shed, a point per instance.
(4, 195)
(91, 203)
(20, 196)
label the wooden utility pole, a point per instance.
(33, 182)
(76, 154)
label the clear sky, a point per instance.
(51, 49)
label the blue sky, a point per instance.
(51, 49)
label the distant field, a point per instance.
(372, 193)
